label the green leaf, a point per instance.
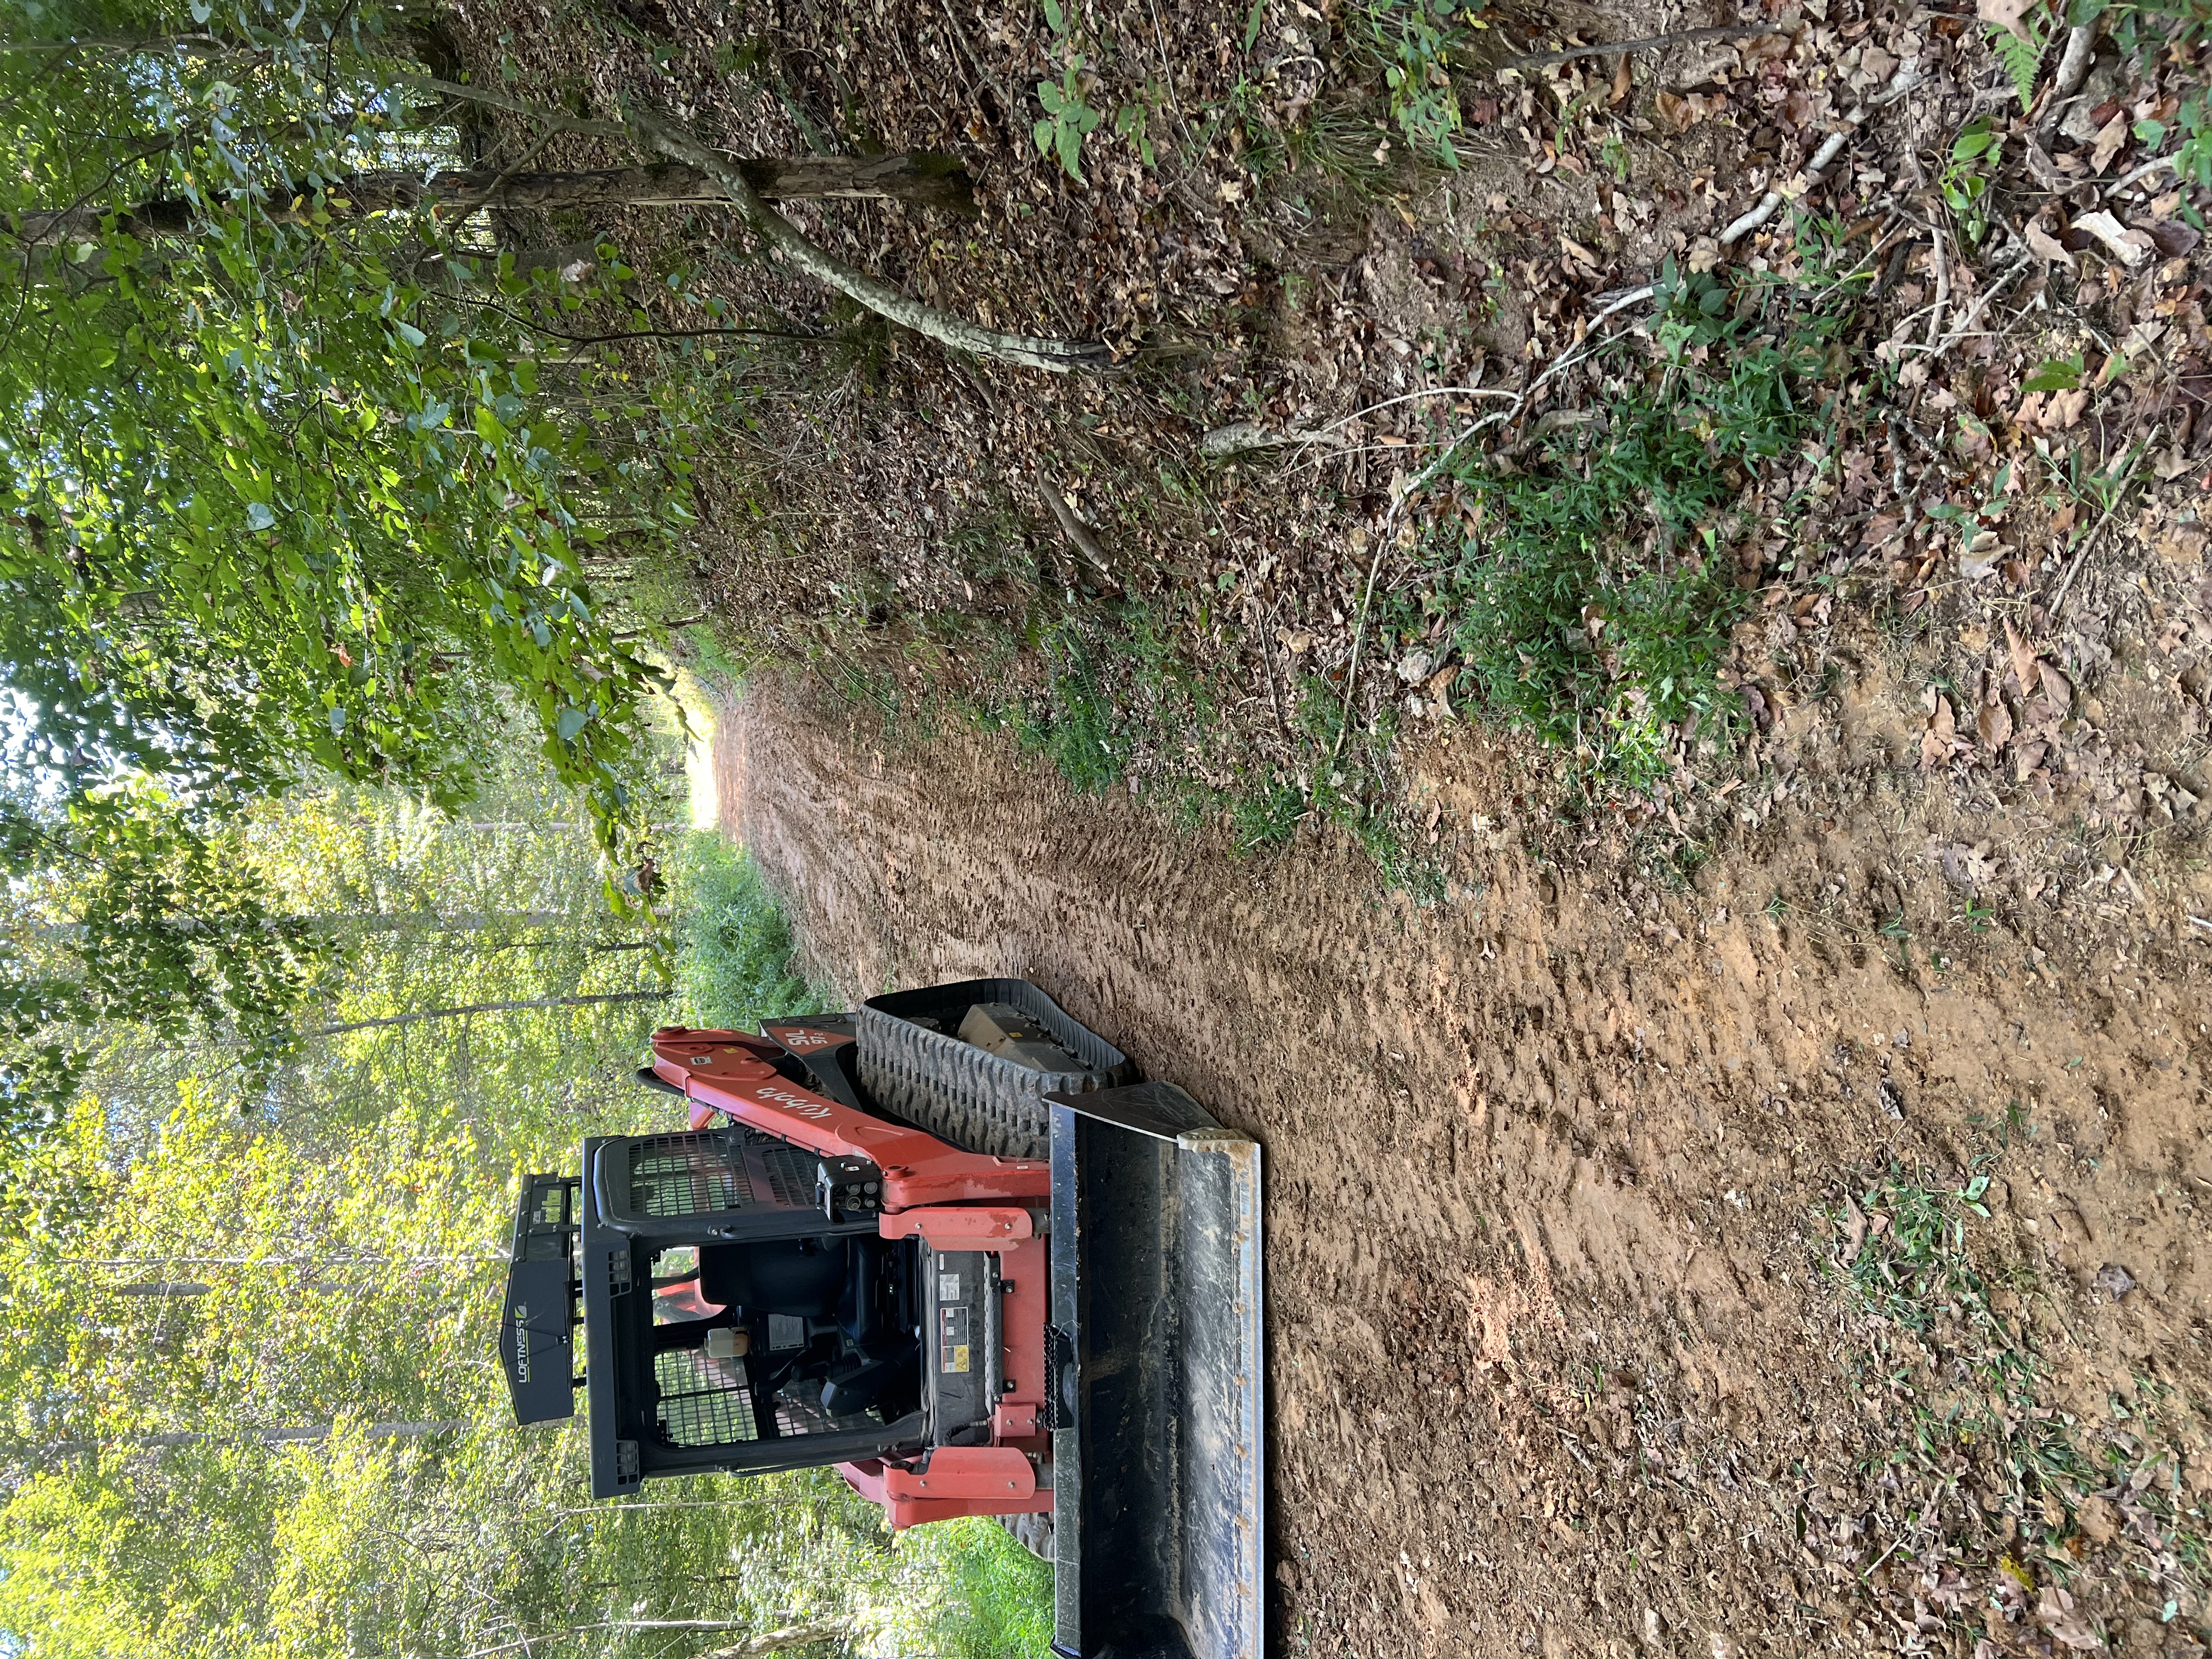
(1055, 17)
(409, 333)
(2055, 375)
(1252, 23)
(571, 722)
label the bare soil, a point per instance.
(1563, 1354)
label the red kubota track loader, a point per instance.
(952, 1246)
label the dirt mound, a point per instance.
(1649, 1272)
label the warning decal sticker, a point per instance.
(952, 1342)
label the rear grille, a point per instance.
(700, 1404)
(687, 1175)
(790, 1175)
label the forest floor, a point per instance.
(1683, 1272)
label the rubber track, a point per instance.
(974, 1100)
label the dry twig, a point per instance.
(1908, 77)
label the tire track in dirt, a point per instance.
(1552, 1369)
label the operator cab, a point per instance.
(739, 1309)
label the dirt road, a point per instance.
(1569, 1183)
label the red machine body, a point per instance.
(952, 1200)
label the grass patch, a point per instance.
(1595, 583)
(1946, 1341)
(1122, 699)
(996, 1597)
(734, 953)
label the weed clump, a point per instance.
(734, 955)
(1944, 1338)
(1596, 583)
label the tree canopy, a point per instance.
(288, 489)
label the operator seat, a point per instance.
(842, 1279)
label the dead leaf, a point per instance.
(1880, 528)
(1936, 741)
(2046, 247)
(2099, 1520)
(2064, 410)
(2054, 1611)
(2055, 687)
(1854, 1232)
(1994, 726)
(2114, 134)
(2005, 14)
(1676, 111)
(1623, 83)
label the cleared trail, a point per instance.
(1555, 1366)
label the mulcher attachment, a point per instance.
(914, 1061)
(1156, 1337)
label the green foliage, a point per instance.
(1593, 588)
(2055, 375)
(1412, 43)
(734, 961)
(2166, 36)
(119, 908)
(1114, 679)
(1942, 1339)
(1130, 121)
(997, 1603)
(2021, 48)
(290, 482)
(1965, 180)
(1068, 120)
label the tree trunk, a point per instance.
(267, 1437)
(487, 1008)
(923, 178)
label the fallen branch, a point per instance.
(1030, 351)
(1907, 78)
(1997, 286)
(1080, 536)
(1942, 262)
(559, 120)
(1622, 48)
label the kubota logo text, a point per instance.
(798, 1103)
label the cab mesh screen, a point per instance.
(704, 1402)
(687, 1175)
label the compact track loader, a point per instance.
(952, 1245)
